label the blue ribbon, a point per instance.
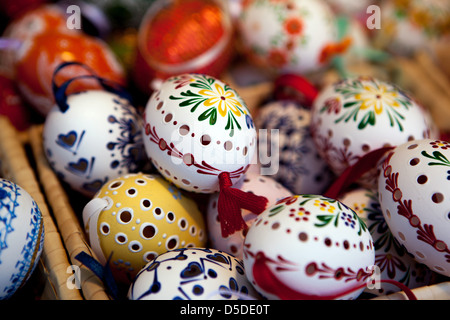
(59, 92)
(102, 272)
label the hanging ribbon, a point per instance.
(295, 87)
(268, 281)
(231, 202)
(102, 272)
(60, 94)
(353, 173)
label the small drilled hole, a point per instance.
(125, 216)
(184, 130)
(205, 139)
(437, 197)
(148, 231)
(422, 179)
(414, 161)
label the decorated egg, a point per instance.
(193, 274)
(199, 134)
(38, 58)
(297, 36)
(253, 182)
(308, 247)
(98, 138)
(284, 134)
(392, 260)
(412, 25)
(136, 217)
(23, 28)
(414, 198)
(21, 237)
(176, 37)
(354, 116)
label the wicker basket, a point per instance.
(54, 263)
(418, 75)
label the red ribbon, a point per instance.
(352, 173)
(230, 203)
(292, 86)
(268, 281)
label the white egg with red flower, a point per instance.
(357, 115)
(414, 196)
(309, 247)
(296, 36)
(196, 127)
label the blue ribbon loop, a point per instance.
(102, 272)
(59, 92)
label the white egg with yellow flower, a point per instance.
(196, 127)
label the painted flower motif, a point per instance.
(300, 215)
(348, 220)
(217, 98)
(359, 208)
(293, 26)
(376, 97)
(332, 105)
(444, 145)
(223, 100)
(277, 58)
(371, 98)
(390, 264)
(324, 206)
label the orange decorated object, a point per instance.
(183, 36)
(37, 58)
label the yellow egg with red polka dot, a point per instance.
(134, 218)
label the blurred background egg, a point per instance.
(136, 217)
(98, 138)
(308, 247)
(391, 258)
(21, 237)
(414, 198)
(356, 115)
(188, 36)
(253, 182)
(297, 36)
(284, 138)
(193, 274)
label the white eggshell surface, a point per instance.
(315, 246)
(414, 195)
(99, 137)
(21, 237)
(197, 127)
(192, 274)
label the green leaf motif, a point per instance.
(211, 113)
(439, 157)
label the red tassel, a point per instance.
(295, 87)
(267, 281)
(230, 203)
(354, 172)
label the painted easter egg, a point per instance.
(410, 26)
(196, 127)
(309, 247)
(199, 134)
(177, 37)
(414, 198)
(98, 138)
(136, 217)
(284, 127)
(253, 182)
(192, 274)
(21, 237)
(38, 59)
(391, 258)
(297, 36)
(354, 116)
